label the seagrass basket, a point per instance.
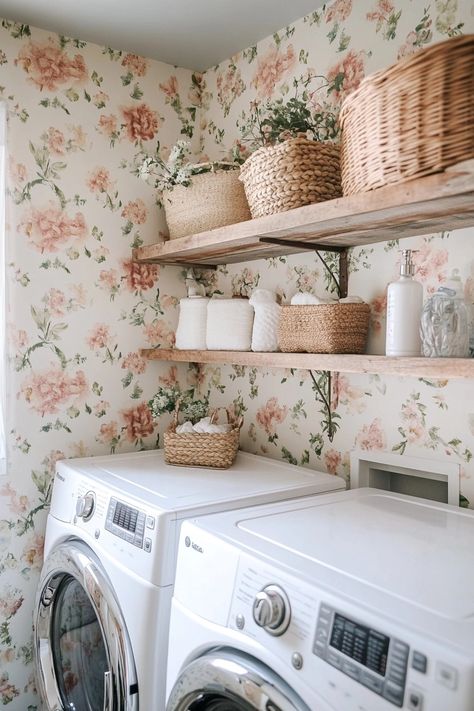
(291, 174)
(193, 449)
(212, 200)
(324, 328)
(410, 120)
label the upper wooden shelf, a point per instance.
(434, 368)
(440, 202)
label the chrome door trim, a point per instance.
(234, 676)
(75, 559)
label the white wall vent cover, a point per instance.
(435, 479)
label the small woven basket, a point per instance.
(324, 328)
(410, 120)
(212, 200)
(291, 174)
(193, 449)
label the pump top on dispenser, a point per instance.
(445, 321)
(404, 307)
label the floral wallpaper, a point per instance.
(80, 309)
(80, 116)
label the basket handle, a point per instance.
(176, 413)
(235, 423)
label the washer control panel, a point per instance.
(128, 523)
(368, 656)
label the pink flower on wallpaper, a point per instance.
(108, 432)
(51, 460)
(78, 295)
(49, 67)
(55, 302)
(141, 122)
(48, 229)
(139, 277)
(229, 86)
(33, 552)
(344, 392)
(170, 87)
(99, 337)
(109, 279)
(353, 68)
(158, 333)
(135, 64)
(382, 11)
(7, 691)
(431, 266)
(135, 211)
(272, 67)
(17, 171)
(107, 124)
(409, 47)
(134, 363)
(19, 504)
(19, 337)
(332, 459)
(338, 11)
(270, 415)
(48, 391)
(78, 138)
(55, 141)
(378, 308)
(171, 377)
(371, 436)
(10, 603)
(138, 422)
(99, 180)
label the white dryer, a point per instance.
(355, 601)
(103, 604)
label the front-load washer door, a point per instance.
(227, 680)
(83, 654)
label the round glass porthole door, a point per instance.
(83, 655)
(80, 655)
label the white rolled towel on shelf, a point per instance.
(229, 325)
(191, 331)
(304, 298)
(265, 324)
(351, 299)
(204, 426)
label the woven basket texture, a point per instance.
(291, 174)
(324, 328)
(212, 200)
(217, 451)
(413, 119)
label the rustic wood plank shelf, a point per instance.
(444, 201)
(434, 368)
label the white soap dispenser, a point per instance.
(404, 307)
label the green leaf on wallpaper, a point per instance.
(87, 409)
(73, 412)
(137, 241)
(287, 456)
(72, 94)
(316, 443)
(5, 636)
(113, 54)
(137, 392)
(87, 252)
(97, 389)
(96, 78)
(304, 457)
(126, 79)
(87, 96)
(250, 54)
(137, 93)
(17, 29)
(344, 41)
(303, 57)
(332, 34)
(192, 112)
(127, 380)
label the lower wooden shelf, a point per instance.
(434, 368)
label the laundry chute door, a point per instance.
(83, 653)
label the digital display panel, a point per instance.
(364, 645)
(125, 517)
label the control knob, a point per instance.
(85, 506)
(271, 610)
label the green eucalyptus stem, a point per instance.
(325, 399)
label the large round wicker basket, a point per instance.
(213, 199)
(324, 328)
(291, 174)
(410, 120)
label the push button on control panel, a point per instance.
(446, 675)
(150, 522)
(147, 545)
(415, 700)
(419, 662)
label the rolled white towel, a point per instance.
(185, 428)
(205, 426)
(303, 298)
(351, 299)
(262, 296)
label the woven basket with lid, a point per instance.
(291, 174)
(213, 199)
(410, 120)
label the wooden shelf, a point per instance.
(440, 202)
(434, 368)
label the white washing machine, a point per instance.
(103, 604)
(354, 601)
